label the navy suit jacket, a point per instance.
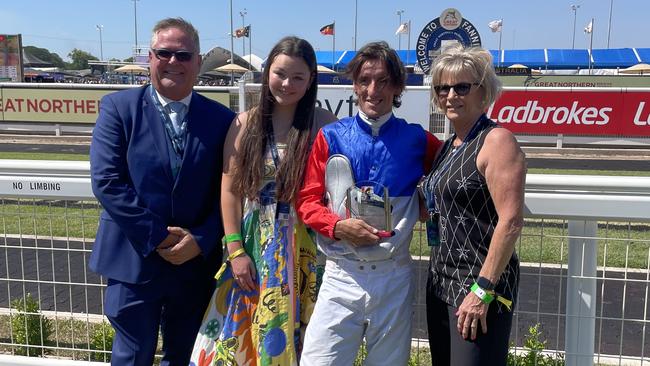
(132, 179)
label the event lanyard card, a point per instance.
(433, 231)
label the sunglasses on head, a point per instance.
(166, 55)
(461, 89)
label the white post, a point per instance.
(242, 94)
(57, 129)
(560, 141)
(581, 293)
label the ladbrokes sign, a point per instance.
(612, 112)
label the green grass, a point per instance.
(74, 219)
(622, 245)
(43, 156)
(615, 173)
(72, 337)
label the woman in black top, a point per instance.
(475, 197)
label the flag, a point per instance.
(243, 32)
(496, 25)
(402, 29)
(327, 30)
(589, 27)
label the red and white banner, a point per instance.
(614, 112)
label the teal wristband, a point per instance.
(231, 238)
(482, 294)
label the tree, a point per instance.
(128, 59)
(46, 55)
(80, 59)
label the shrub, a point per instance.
(534, 357)
(29, 327)
(102, 340)
(417, 357)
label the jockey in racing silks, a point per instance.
(368, 284)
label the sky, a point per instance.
(62, 25)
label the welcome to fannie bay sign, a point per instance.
(449, 28)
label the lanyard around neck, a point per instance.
(436, 173)
(177, 138)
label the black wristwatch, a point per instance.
(485, 284)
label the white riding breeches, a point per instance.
(357, 299)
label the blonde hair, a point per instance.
(457, 59)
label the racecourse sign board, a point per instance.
(450, 27)
(574, 111)
(63, 103)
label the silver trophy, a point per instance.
(369, 201)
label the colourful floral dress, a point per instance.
(264, 326)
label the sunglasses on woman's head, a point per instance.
(166, 55)
(461, 89)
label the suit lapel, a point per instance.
(151, 117)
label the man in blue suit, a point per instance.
(156, 158)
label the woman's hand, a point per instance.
(470, 313)
(243, 271)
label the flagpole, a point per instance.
(408, 49)
(355, 23)
(243, 25)
(250, 47)
(500, 35)
(591, 43)
(232, 47)
(333, 43)
(609, 27)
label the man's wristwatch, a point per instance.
(485, 284)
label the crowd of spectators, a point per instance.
(116, 79)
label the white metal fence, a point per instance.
(585, 276)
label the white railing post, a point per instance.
(242, 95)
(581, 293)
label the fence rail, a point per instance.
(585, 276)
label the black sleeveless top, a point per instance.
(467, 221)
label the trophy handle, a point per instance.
(387, 207)
(386, 233)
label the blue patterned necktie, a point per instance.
(176, 114)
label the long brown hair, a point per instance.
(255, 139)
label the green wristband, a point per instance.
(230, 238)
(485, 296)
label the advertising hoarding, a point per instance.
(609, 112)
(63, 105)
(11, 57)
